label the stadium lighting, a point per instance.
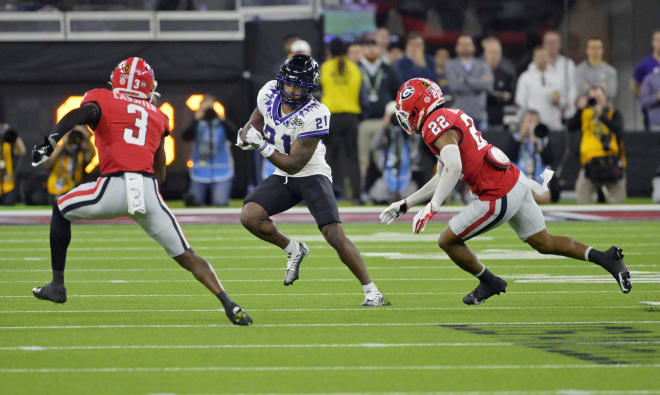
(168, 110)
(71, 103)
(195, 101)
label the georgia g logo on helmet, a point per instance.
(416, 98)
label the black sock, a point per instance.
(60, 236)
(226, 300)
(598, 257)
(486, 276)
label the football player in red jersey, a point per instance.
(129, 133)
(504, 195)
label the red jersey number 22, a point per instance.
(140, 123)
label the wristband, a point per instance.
(266, 150)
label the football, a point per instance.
(255, 123)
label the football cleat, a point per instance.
(484, 291)
(618, 269)
(374, 299)
(237, 316)
(50, 291)
(293, 264)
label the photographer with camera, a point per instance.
(212, 171)
(602, 155)
(529, 149)
(11, 147)
(68, 161)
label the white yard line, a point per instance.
(312, 325)
(360, 309)
(314, 345)
(323, 368)
(523, 293)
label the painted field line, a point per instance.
(571, 391)
(321, 268)
(321, 345)
(330, 324)
(509, 293)
(305, 309)
(324, 368)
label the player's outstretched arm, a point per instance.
(88, 114)
(450, 156)
(422, 195)
(301, 152)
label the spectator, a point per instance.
(646, 65)
(561, 69)
(355, 52)
(211, 163)
(601, 149)
(649, 99)
(441, 60)
(11, 148)
(341, 83)
(382, 84)
(594, 71)
(539, 89)
(502, 92)
(505, 62)
(415, 63)
(287, 42)
(529, 149)
(391, 165)
(382, 37)
(469, 80)
(394, 54)
(68, 161)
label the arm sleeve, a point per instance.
(88, 114)
(423, 194)
(451, 157)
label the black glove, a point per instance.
(41, 152)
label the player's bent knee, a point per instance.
(333, 234)
(542, 242)
(251, 215)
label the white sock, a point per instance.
(586, 254)
(369, 288)
(481, 272)
(291, 247)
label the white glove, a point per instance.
(256, 139)
(242, 144)
(394, 211)
(422, 217)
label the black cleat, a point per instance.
(618, 269)
(237, 316)
(293, 264)
(50, 291)
(484, 291)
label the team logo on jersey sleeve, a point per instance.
(407, 92)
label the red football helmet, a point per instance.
(416, 98)
(134, 77)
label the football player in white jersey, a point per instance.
(294, 124)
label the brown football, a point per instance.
(256, 123)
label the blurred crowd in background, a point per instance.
(372, 160)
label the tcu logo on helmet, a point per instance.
(416, 98)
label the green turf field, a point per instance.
(136, 323)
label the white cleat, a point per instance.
(293, 263)
(374, 299)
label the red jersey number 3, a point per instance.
(141, 122)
